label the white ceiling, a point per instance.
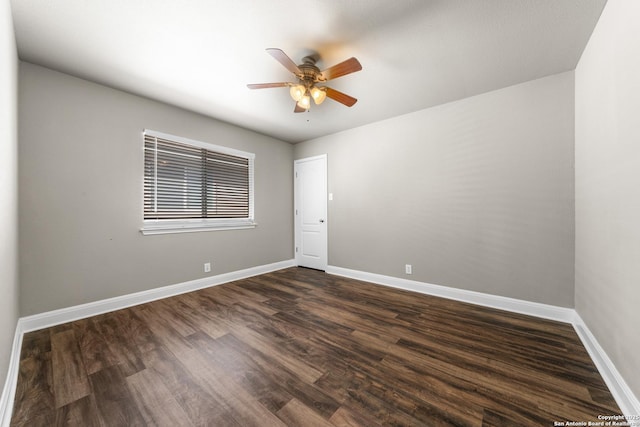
(200, 54)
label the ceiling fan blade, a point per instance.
(342, 98)
(349, 66)
(267, 85)
(298, 109)
(282, 58)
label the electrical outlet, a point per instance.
(408, 269)
(207, 267)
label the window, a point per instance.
(195, 186)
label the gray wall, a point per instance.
(80, 195)
(607, 267)
(476, 194)
(8, 187)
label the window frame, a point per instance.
(165, 226)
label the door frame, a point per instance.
(296, 229)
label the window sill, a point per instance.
(151, 229)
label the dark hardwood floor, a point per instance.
(302, 348)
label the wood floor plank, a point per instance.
(200, 406)
(81, 413)
(235, 295)
(435, 347)
(295, 413)
(345, 417)
(301, 347)
(417, 395)
(272, 291)
(496, 419)
(156, 403)
(247, 411)
(245, 294)
(282, 379)
(289, 289)
(135, 330)
(200, 309)
(126, 352)
(113, 398)
(353, 321)
(95, 352)
(34, 390)
(225, 353)
(70, 381)
(333, 299)
(385, 412)
(554, 360)
(257, 341)
(35, 343)
(173, 312)
(163, 329)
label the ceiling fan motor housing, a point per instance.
(310, 72)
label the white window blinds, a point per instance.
(191, 180)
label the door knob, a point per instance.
(321, 220)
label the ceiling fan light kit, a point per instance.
(309, 75)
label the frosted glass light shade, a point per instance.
(297, 92)
(305, 102)
(318, 95)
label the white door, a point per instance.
(310, 204)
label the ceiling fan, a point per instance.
(309, 76)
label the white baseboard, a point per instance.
(625, 398)
(69, 314)
(9, 390)
(545, 311)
